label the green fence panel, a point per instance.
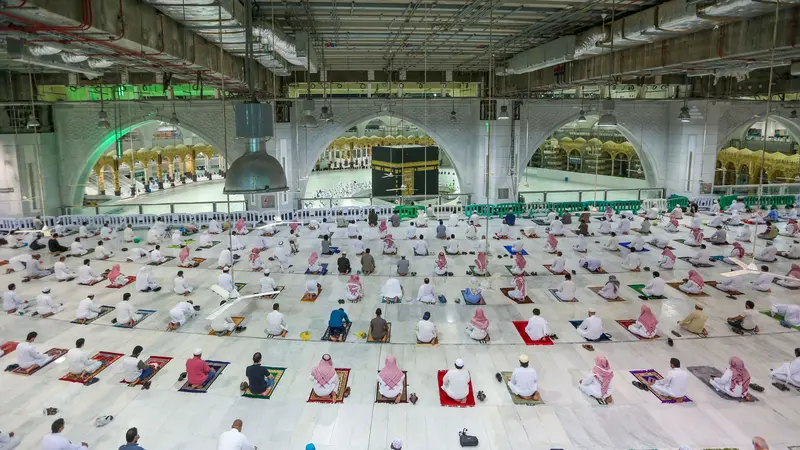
(408, 211)
(516, 208)
(480, 209)
(683, 202)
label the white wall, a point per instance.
(23, 156)
(603, 181)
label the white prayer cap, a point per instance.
(198, 351)
(266, 271)
(226, 268)
(397, 444)
(473, 280)
(686, 447)
(459, 363)
(46, 290)
(90, 294)
(523, 358)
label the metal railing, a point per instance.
(424, 200)
(753, 189)
(584, 195)
(157, 208)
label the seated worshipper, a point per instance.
(651, 214)
(693, 284)
(519, 265)
(593, 265)
(478, 328)
(473, 295)
(116, 277)
(383, 230)
(667, 259)
(136, 254)
(632, 261)
(557, 227)
(45, 305)
(452, 246)
(63, 273)
(145, 281)
(153, 236)
(426, 330)
(674, 384)
(358, 246)
(701, 257)
(719, 237)
(696, 223)
(313, 263)
(737, 252)
(421, 247)
(134, 369)
(34, 241)
(610, 290)
(392, 291)
(372, 218)
(591, 328)
(731, 284)
(695, 238)
(236, 244)
(613, 243)
(337, 323)
(520, 288)
(180, 313)
(510, 218)
(34, 268)
(353, 290)
(773, 214)
(537, 327)
(312, 290)
(789, 372)
(770, 233)
(655, 287)
(225, 281)
(453, 220)
(645, 325)
(180, 286)
(481, 265)
(567, 218)
(455, 383)
(585, 215)
(480, 245)
(637, 244)
(326, 382)
(441, 230)
(352, 230)
(472, 232)
(403, 266)
(267, 283)
(599, 383)
(325, 245)
(768, 253)
(695, 321)
(325, 228)
(421, 221)
(566, 290)
(313, 224)
(605, 227)
(551, 246)
(282, 256)
(388, 245)
(27, 356)
(790, 313)
(523, 381)
(267, 230)
(791, 212)
(378, 327)
(677, 212)
(746, 320)
(391, 380)
(734, 220)
(504, 231)
(583, 228)
(645, 228)
(367, 263)
(441, 265)
(660, 242)
(54, 246)
(276, 322)
(240, 227)
(716, 221)
(156, 256)
(175, 238)
(581, 246)
(343, 264)
(790, 229)
(127, 233)
(256, 264)
(79, 362)
(198, 372)
(126, 315)
(83, 230)
(551, 216)
(11, 302)
(673, 225)
(204, 241)
(735, 381)
(559, 264)
(411, 231)
(259, 382)
(793, 280)
(517, 246)
(223, 323)
(76, 248)
(474, 218)
(87, 275)
(609, 214)
(624, 226)
(764, 280)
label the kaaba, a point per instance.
(415, 166)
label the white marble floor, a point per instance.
(172, 420)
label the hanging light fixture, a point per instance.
(793, 114)
(102, 117)
(308, 119)
(325, 115)
(608, 119)
(173, 119)
(684, 116)
(32, 121)
(453, 116)
(503, 113)
(582, 116)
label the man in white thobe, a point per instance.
(87, 309)
(11, 300)
(180, 313)
(425, 293)
(63, 273)
(223, 323)
(156, 256)
(558, 264)
(225, 258)
(126, 314)
(127, 234)
(768, 253)
(9, 441)
(79, 362)
(180, 285)
(57, 441)
(46, 305)
(566, 291)
(425, 329)
(591, 328)
(675, 383)
(19, 263)
(352, 230)
(764, 280)
(76, 248)
(655, 287)
(136, 254)
(267, 283)
(233, 439)
(276, 322)
(421, 247)
(452, 246)
(456, 382)
(225, 281)
(101, 252)
(27, 356)
(86, 274)
(557, 227)
(537, 327)
(523, 380)
(701, 257)
(789, 372)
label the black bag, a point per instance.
(467, 440)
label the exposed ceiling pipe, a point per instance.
(284, 45)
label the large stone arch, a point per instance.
(734, 120)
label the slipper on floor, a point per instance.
(91, 381)
(757, 387)
(347, 392)
(588, 347)
(670, 342)
(675, 333)
(640, 385)
(413, 398)
(499, 377)
(481, 396)
(182, 376)
(780, 386)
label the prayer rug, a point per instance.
(186, 242)
(512, 253)
(516, 398)
(403, 395)
(277, 373)
(520, 326)
(648, 375)
(157, 363)
(524, 273)
(775, 280)
(195, 262)
(553, 293)
(777, 317)
(3, 263)
(103, 277)
(145, 313)
(372, 340)
(704, 374)
(716, 258)
(463, 296)
(714, 285)
(9, 347)
(274, 296)
(217, 367)
(106, 358)
(54, 352)
(596, 290)
(526, 300)
(344, 375)
(627, 245)
(687, 258)
(547, 266)
(324, 270)
(659, 248)
(104, 309)
(445, 400)
(599, 270)
(638, 288)
(625, 323)
(215, 266)
(327, 335)
(676, 285)
(541, 222)
(681, 241)
(306, 300)
(603, 337)
(89, 251)
(535, 236)
(166, 260)
(433, 343)
(131, 279)
(388, 302)
(237, 320)
(473, 273)
(240, 286)
(213, 243)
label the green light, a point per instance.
(487, 127)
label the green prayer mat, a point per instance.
(516, 398)
(638, 288)
(277, 373)
(777, 317)
(186, 242)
